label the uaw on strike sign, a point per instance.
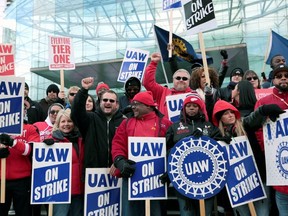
(244, 184)
(199, 15)
(61, 55)
(149, 153)
(6, 59)
(11, 104)
(51, 173)
(102, 193)
(276, 150)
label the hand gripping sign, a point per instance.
(197, 168)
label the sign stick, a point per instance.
(3, 179)
(62, 79)
(202, 207)
(147, 207)
(204, 59)
(50, 210)
(170, 33)
(252, 209)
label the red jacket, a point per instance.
(77, 164)
(149, 125)
(18, 163)
(272, 99)
(45, 129)
(159, 92)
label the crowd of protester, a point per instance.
(99, 128)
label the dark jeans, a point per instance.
(19, 192)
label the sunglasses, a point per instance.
(279, 76)
(52, 112)
(250, 78)
(183, 78)
(110, 100)
(72, 94)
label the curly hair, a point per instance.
(196, 78)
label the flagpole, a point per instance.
(204, 59)
(267, 50)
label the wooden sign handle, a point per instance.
(204, 59)
(147, 207)
(62, 79)
(50, 210)
(252, 209)
(202, 207)
(3, 179)
(170, 33)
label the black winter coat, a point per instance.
(97, 131)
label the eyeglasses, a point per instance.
(52, 112)
(110, 100)
(134, 103)
(250, 78)
(279, 76)
(183, 78)
(72, 94)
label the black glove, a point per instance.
(226, 139)
(4, 152)
(6, 139)
(127, 110)
(208, 90)
(271, 110)
(125, 166)
(49, 141)
(197, 133)
(224, 54)
(164, 178)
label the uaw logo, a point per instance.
(282, 159)
(197, 167)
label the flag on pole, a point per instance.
(278, 45)
(182, 48)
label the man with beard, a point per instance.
(280, 98)
(181, 80)
(146, 122)
(97, 128)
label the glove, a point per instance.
(4, 152)
(197, 133)
(226, 139)
(6, 140)
(49, 141)
(224, 54)
(164, 178)
(208, 90)
(125, 166)
(271, 110)
(127, 110)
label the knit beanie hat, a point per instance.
(196, 100)
(53, 88)
(236, 71)
(145, 98)
(132, 81)
(100, 86)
